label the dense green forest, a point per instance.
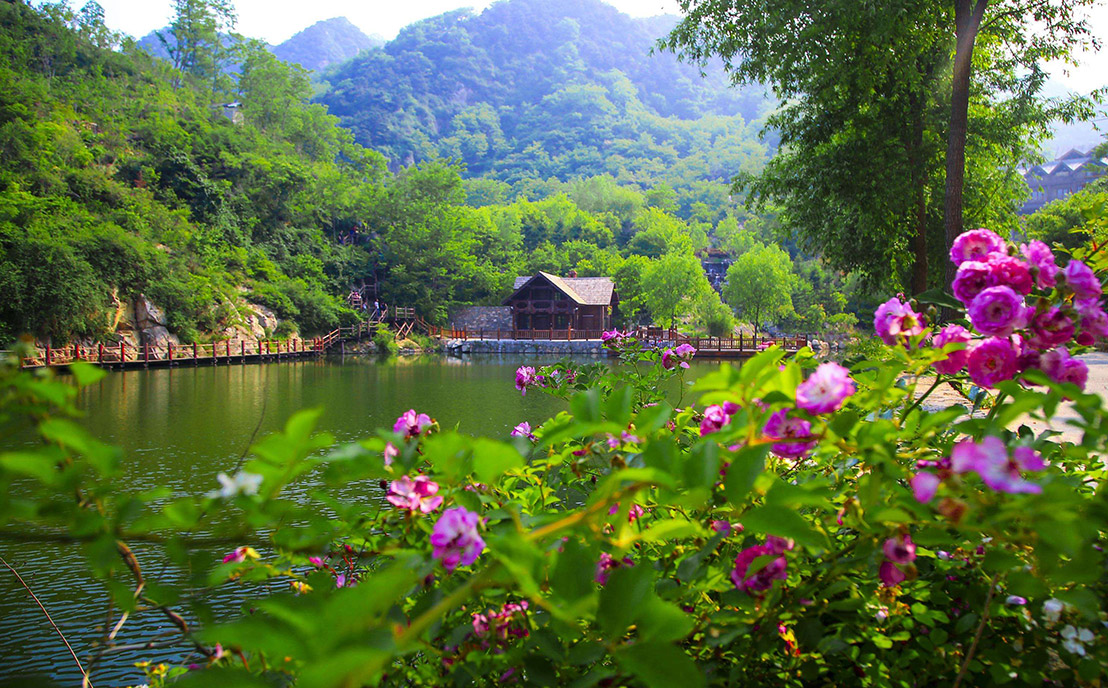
(498, 148)
(121, 175)
(529, 90)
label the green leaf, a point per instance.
(492, 459)
(783, 522)
(218, 677)
(35, 464)
(618, 405)
(586, 406)
(662, 621)
(745, 468)
(573, 575)
(672, 529)
(620, 599)
(660, 665)
(86, 373)
(940, 297)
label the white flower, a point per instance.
(1075, 639)
(1052, 610)
(243, 483)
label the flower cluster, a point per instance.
(1022, 329)
(613, 339)
(792, 434)
(411, 424)
(717, 416)
(825, 390)
(679, 356)
(761, 578)
(415, 494)
(633, 513)
(899, 551)
(509, 622)
(455, 538)
(526, 377)
(990, 459)
(607, 564)
(523, 430)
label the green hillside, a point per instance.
(531, 90)
(113, 182)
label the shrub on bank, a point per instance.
(802, 523)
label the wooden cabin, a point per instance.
(549, 302)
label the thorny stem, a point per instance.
(85, 680)
(977, 634)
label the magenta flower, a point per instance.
(679, 356)
(1010, 272)
(998, 311)
(607, 564)
(610, 335)
(523, 430)
(1061, 367)
(779, 545)
(794, 431)
(900, 549)
(411, 424)
(1042, 263)
(240, 555)
(1082, 281)
(955, 360)
(525, 377)
(924, 486)
(455, 538)
(1093, 318)
(633, 513)
(991, 361)
(989, 458)
(895, 321)
(726, 527)
(762, 579)
(416, 494)
(890, 575)
(1049, 329)
(715, 417)
(972, 278)
(976, 245)
(390, 453)
(825, 390)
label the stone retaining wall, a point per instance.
(482, 318)
(578, 347)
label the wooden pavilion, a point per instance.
(548, 302)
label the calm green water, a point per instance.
(179, 427)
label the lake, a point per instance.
(179, 427)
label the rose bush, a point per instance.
(804, 523)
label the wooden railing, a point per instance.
(214, 352)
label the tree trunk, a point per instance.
(919, 181)
(967, 20)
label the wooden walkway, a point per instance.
(127, 356)
(404, 320)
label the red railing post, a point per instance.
(122, 353)
(194, 362)
(146, 353)
(170, 347)
(243, 349)
(100, 353)
(47, 354)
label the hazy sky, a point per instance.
(276, 20)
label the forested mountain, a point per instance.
(530, 89)
(325, 43)
(322, 44)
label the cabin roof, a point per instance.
(586, 291)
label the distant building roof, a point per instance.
(587, 291)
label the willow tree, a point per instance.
(866, 92)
